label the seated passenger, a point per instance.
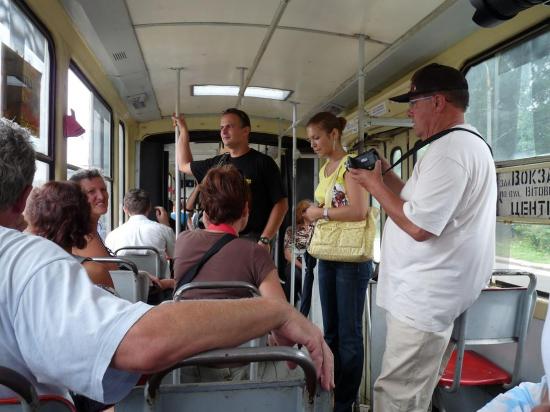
(59, 211)
(225, 196)
(140, 231)
(304, 230)
(62, 333)
(92, 184)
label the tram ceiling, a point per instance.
(312, 52)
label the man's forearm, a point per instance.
(183, 152)
(276, 217)
(172, 332)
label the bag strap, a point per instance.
(433, 138)
(328, 197)
(223, 159)
(195, 269)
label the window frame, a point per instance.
(501, 47)
(84, 79)
(393, 150)
(121, 168)
(49, 159)
(508, 44)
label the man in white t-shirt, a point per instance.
(63, 333)
(140, 231)
(438, 243)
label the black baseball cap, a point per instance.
(433, 78)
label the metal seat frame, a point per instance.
(132, 285)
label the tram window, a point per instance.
(510, 100)
(42, 174)
(26, 68)
(395, 156)
(510, 105)
(92, 149)
(524, 247)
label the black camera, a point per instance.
(365, 160)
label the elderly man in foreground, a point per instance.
(438, 245)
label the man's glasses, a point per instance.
(413, 101)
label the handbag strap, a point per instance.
(328, 197)
(195, 269)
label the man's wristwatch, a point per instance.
(325, 213)
(265, 240)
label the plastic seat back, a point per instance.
(251, 289)
(498, 316)
(290, 395)
(131, 285)
(150, 260)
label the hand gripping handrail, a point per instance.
(21, 386)
(240, 355)
(253, 290)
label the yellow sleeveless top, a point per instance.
(338, 195)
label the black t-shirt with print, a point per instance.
(264, 177)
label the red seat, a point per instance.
(44, 399)
(476, 370)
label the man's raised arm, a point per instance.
(171, 332)
(183, 150)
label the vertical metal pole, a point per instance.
(279, 142)
(361, 93)
(279, 148)
(360, 125)
(177, 171)
(293, 214)
(176, 374)
(242, 69)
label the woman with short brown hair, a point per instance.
(225, 197)
(60, 212)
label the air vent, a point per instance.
(333, 108)
(121, 55)
(138, 100)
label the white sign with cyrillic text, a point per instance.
(524, 192)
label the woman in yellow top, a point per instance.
(342, 285)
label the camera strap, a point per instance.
(421, 143)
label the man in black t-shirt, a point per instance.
(269, 201)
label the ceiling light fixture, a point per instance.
(260, 92)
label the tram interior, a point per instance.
(124, 67)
